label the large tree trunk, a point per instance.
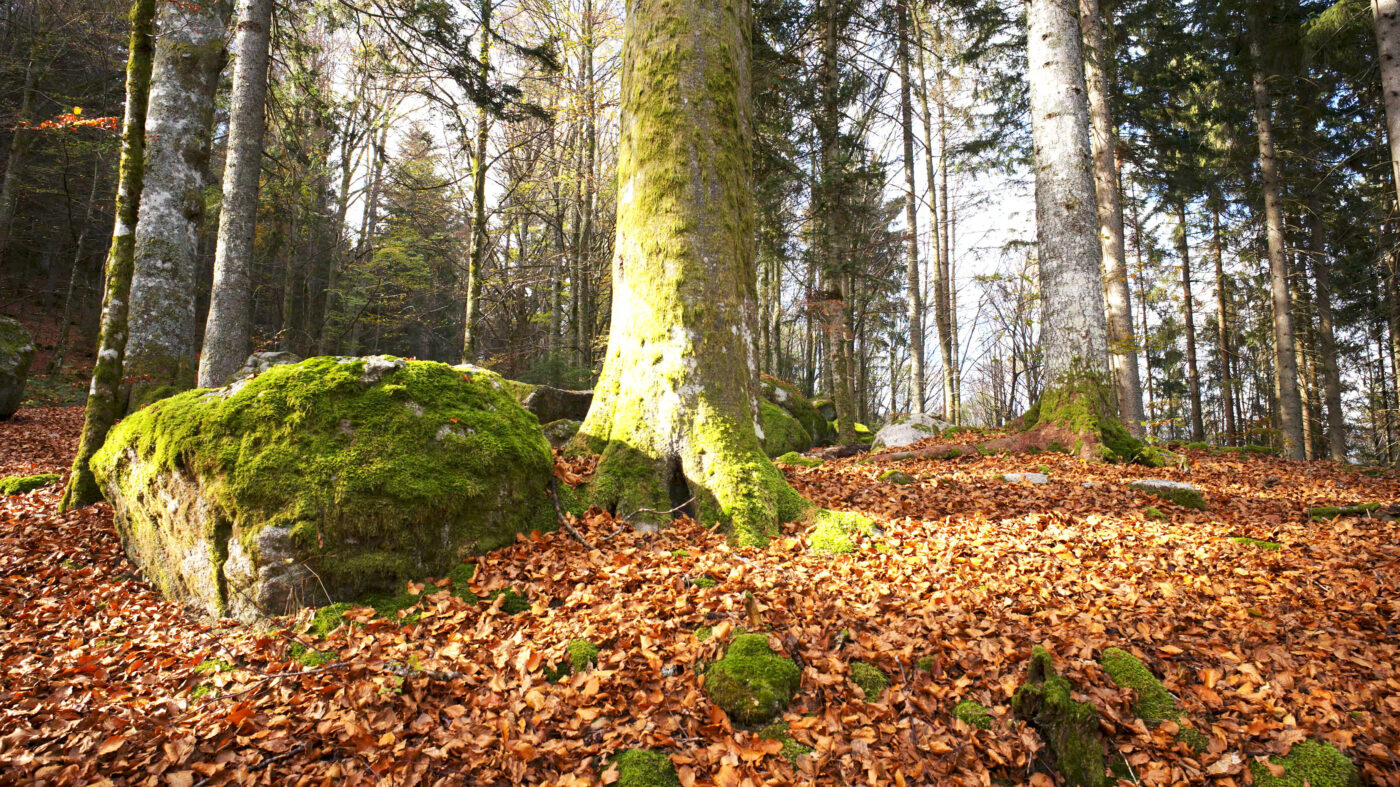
(14, 162)
(1117, 297)
(941, 318)
(833, 299)
(675, 415)
(160, 356)
(229, 328)
(471, 338)
(1327, 339)
(914, 282)
(1387, 18)
(102, 407)
(1193, 371)
(1290, 413)
(1227, 381)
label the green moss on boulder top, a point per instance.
(1322, 513)
(19, 485)
(786, 396)
(1309, 764)
(16, 354)
(752, 683)
(898, 477)
(324, 480)
(782, 434)
(645, 768)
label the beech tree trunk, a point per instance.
(675, 415)
(1227, 380)
(1118, 300)
(1327, 337)
(229, 327)
(1193, 372)
(1075, 334)
(1290, 411)
(1386, 14)
(914, 283)
(472, 319)
(160, 355)
(103, 407)
(14, 162)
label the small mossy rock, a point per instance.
(798, 460)
(258, 363)
(1070, 729)
(16, 354)
(781, 732)
(752, 683)
(782, 434)
(560, 432)
(786, 396)
(898, 477)
(322, 481)
(705, 582)
(1309, 764)
(827, 409)
(834, 532)
(1178, 492)
(1322, 513)
(1035, 479)
(644, 768)
(582, 655)
(1268, 546)
(551, 404)
(974, 714)
(909, 430)
(24, 484)
(871, 680)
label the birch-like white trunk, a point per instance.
(1122, 347)
(1074, 331)
(1387, 18)
(228, 330)
(190, 52)
(914, 283)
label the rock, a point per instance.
(556, 404)
(1070, 729)
(898, 477)
(644, 768)
(1308, 763)
(826, 408)
(322, 481)
(752, 683)
(1179, 492)
(1036, 479)
(560, 432)
(781, 433)
(24, 484)
(258, 363)
(786, 396)
(16, 354)
(909, 430)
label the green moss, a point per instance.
(370, 473)
(1153, 512)
(833, 532)
(751, 683)
(1263, 450)
(1198, 742)
(925, 664)
(211, 666)
(1186, 498)
(898, 477)
(786, 396)
(1083, 403)
(1322, 513)
(310, 657)
(1154, 704)
(582, 655)
(203, 690)
(1254, 542)
(871, 680)
(645, 768)
(329, 618)
(1070, 729)
(973, 713)
(1197, 446)
(705, 582)
(18, 485)
(461, 577)
(782, 434)
(1309, 764)
(704, 632)
(798, 460)
(782, 732)
(514, 603)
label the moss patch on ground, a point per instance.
(871, 679)
(798, 460)
(1309, 764)
(1070, 729)
(898, 477)
(1186, 497)
(19, 485)
(1153, 512)
(781, 732)
(1254, 542)
(834, 532)
(1154, 704)
(1323, 513)
(973, 713)
(705, 582)
(752, 683)
(644, 768)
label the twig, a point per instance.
(559, 514)
(681, 507)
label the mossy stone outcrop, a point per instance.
(1070, 729)
(782, 434)
(16, 354)
(752, 683)
(1179, 492)
(23, 484)
(786, 396)
(1309, 764)
(908, 430)
(322, 481)
(645, 768)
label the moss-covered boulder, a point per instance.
(786, 396)
(1308, 764)
(782, 434)
(321, 481)
(644, 768)
(898, 477)
(258, 363)
(752, 683)
(825, 408)
(16, 353)
(550, 404)
(909, 430)
(1154, 704)
(24, 484)
(1179, 492)
(560, 432)
(1070, 729)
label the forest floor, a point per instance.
(105, 681)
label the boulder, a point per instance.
(560, 432)
(909, 430)
(782, 434)
(16, 353)
(786, 396)
(826, 408)
(556, 404)
(1036, 479)
(321, 481)
(258, 363)
(1179, 492)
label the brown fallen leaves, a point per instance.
(1264, 649)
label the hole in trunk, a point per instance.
(679, 489)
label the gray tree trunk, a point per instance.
(103, 407)
(1290, 412)
(190, 52)
(1227, 379)
(941, 318)
(1122, 347)
(1386, 14)
(1193, 372)
(472, 330)
(14, 162)
(914, 282)
(228, 330)
(1075, 333)
(1327, 336)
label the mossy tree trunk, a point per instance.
(471, 333)
(189, 54)
(103, 407)
(675, 414)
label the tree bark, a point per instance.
(14, 163)
(833, 306)
(1386, 14)
(1290, 413)
(1118, 300)
(189, 55)
(914, 299)
(675, 414)
(229, 328)
(102, 407)
(471, 331)
(1227, 380)
(1193, 372)
(941, 318)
